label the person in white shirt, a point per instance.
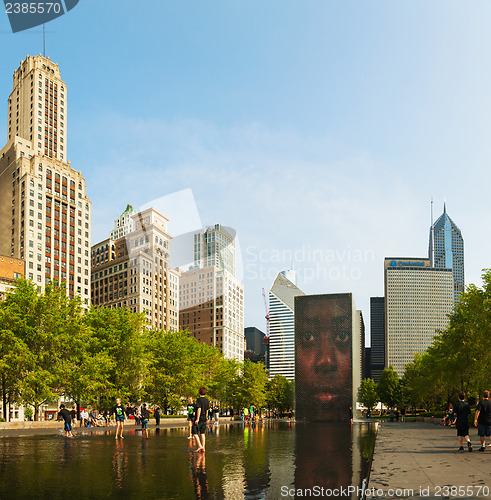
(84, 416)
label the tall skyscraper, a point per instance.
(418, 299)
(44, 209)
(377, 337)
(255, 346)
(282, 327)
(215, 247)
(211, 298)
(133, 271)
(446, 250)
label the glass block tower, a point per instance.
(446, 250)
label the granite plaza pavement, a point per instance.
(423, 459)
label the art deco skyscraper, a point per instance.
(131, 269)
(44, 209)
(446, 249)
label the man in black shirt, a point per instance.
(483, 419)
(156, 414)
(73, 414)
(203, 406)
(65, 415)
(462, 411)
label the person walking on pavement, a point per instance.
(462, 410)
(482, 419)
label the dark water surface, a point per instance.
(242, 461)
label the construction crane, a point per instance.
(267, 313)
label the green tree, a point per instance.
(179, 365)
(460, 356)
(249, 387)
(367, 393)
(41, 328)
(118, 347)
(279, 393)
(389, 389)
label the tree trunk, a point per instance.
(4, 398)
(36, 412)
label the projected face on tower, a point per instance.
(323, 356)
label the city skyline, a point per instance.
(290, 153)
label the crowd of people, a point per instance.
(115, 417)
(201, 412)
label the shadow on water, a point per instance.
(243, 461)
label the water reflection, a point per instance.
(119, 463)
(242, 461)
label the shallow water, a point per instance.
(241, 462)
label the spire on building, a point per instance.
(446, 249)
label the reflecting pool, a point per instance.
(242, 461)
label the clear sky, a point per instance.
(313, 127)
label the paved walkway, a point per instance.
(423, 458)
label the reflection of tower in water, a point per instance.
(332, 455)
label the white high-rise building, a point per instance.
(282, 327)
(212, 308)
(211, 298)
(45, 212)
(418, 299)
(215, 247)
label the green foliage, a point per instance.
(367, 393)
(51, 346)
(460, 356)
(389, 389)
(279, 393)
(178, 365)
(28, 413)
(116, 361)
(249, 387)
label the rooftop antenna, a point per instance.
(44, 40)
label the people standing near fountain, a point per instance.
(156, 414)
(73, 414)
(84, 416)
(191, 411)
(65, 415)
(120, 417)
(462, 410)
(203, 405)
(145, 417)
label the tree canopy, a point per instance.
(52, 346)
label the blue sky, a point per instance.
(314, 126)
